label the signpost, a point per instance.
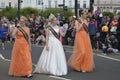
(60, 5)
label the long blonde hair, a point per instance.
(23, 17)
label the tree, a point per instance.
(28, 11)
(9, 12)
(55, 11)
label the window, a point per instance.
(98, 1)
(56, 3)
(107, 9)
(92, 1)
(16, 5)
(70, 3)
(78, 4)
(111, 1)
(3, 4)
(118, 1)
(49, 3)
(9, 4)
(28, 2)
(39, 2)
(84, 4)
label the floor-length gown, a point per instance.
(52, 61)
(21, 64)
(82, 57)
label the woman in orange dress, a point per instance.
(82, 57)
(21, 64)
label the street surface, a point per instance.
(106, 67)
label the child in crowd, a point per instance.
(111, 45)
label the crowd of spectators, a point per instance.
(104, 31)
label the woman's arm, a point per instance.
(9, 29)
(86, 22)
(14, 31)
(62, 33)
(47, 38)
(29, 39)
(78, 27)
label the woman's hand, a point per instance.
(47, 48)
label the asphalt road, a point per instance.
(106, 67)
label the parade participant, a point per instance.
(52, 60)
(21, 64)
(82, 57)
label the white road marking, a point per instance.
(68, 46)
(4, 58)
(1, 56)
(108, 57)
(34, 65)
(7, 60)
(59, 78)
(10, 60)
(68, 51)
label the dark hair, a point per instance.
(81, 12)
(119, 22)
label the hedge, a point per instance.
(11, 13)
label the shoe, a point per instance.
(83, 71)
(29, 76)
(104, 54)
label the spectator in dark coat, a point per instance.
(92, 31)
(118, 33)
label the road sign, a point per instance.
(65, 8)
(60, 5)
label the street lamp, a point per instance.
(19, 9)
(19, 2)
(64, 7)
(18, 12)
(76, 8)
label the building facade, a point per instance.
(107, 5)
(43, 4)
(11, 3)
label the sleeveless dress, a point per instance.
(21, 63)
(82, 57)
(52, 61)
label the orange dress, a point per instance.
(82, 57)
(21, 64)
